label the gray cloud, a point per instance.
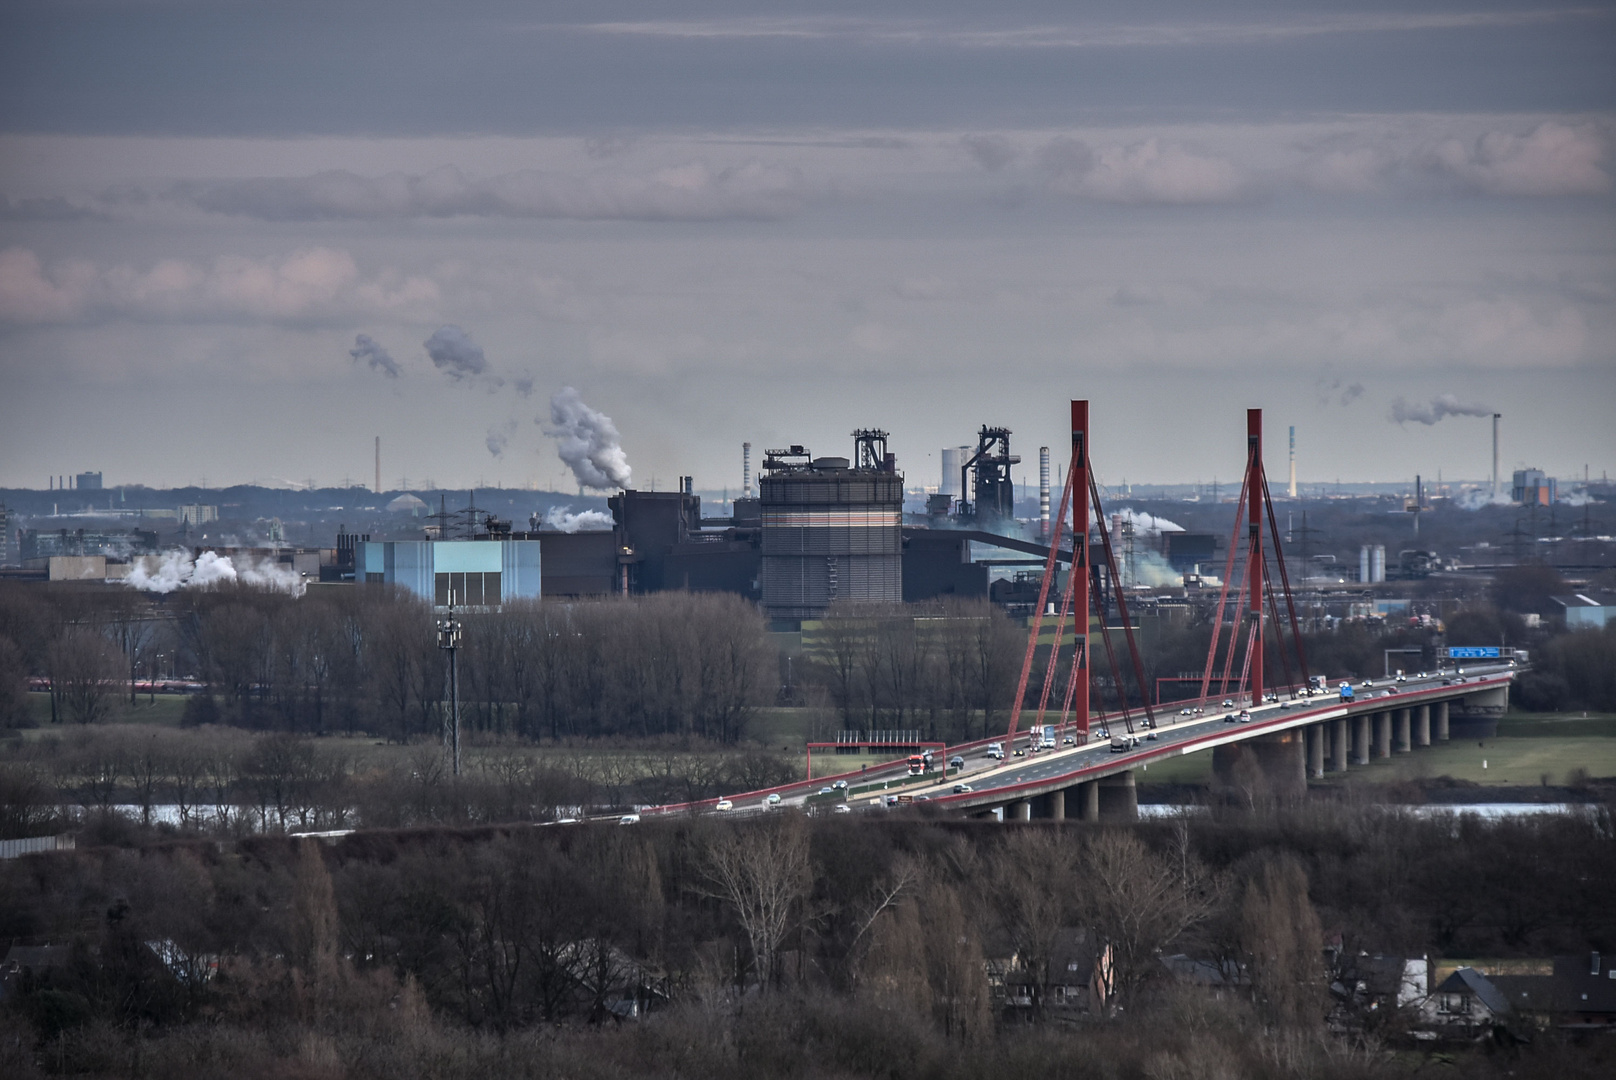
(695, 191)
(992, 152)
(47, 208)
(454, 353)
(1086, 34)
(1438, 408)
(315, 284)
(496, 442)
(367, 349)
(1149, 171)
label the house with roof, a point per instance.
(1078, 980)
(26, 965)
(1466, 1000)
(1587, 611)
(1580, 995)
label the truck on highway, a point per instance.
(996, 751)
(1346, 691)
(917, 764)
(1121, 744)
(1046, 739)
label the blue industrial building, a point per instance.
(464, 573)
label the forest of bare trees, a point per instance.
(782, 947)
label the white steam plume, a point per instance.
(562, 519)
(370, 351)
(588, 442)
(173, 570)
(1147, 524)
(1439, 407)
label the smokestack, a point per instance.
(1043, 493)
(746, 470)
(378, 464)
(1293, 461)
(1495, 454)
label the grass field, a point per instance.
(1527, 748)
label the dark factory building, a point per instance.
(662, 544)
(822, 530)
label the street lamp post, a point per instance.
(449, 641)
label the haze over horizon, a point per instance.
(240, 242)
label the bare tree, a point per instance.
(1281, 937)
(762, 871)
(1141, 901)
(83, 669)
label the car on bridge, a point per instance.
(995, 751)
(1245, 716)
(723, 804)
(962, 789)
(956, 762)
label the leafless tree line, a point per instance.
(949, 669)
(367, 659)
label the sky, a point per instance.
(238, 241)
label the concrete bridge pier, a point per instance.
(1316, 734)
(1360, 740)
(1422, 725)
(1405, 740)
(1442, 721)
(1055, 805)
(1118, 797)
(1268, 766)
(1340, 740)
(1088, 800)
(1383, 735)
(1018, 811)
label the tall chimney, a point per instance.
(1495, 454)
(1043, 493)
(746, 470)
(1293, 461)
(378, 464)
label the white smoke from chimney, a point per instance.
(588, 442)
(1438, 408)
(562, 519)
(174, 570)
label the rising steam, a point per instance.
(1438, 408)
(173, 570)
(562, 519)
(366, 348)
(588, 442)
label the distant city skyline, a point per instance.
(240, 243)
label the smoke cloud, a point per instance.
(562, 519)
(497, 441)
(1146, 524)
(455, 354)
(174, 570)
(588, 442)
(370, 351)
(1438, 408)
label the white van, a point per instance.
(996, 751)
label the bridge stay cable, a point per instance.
(1122, 610)
(1078, 557)
(1223, 599)
(1285, 583)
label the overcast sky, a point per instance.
(232, 234)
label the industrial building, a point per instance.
(832, 528)
(462, 573)
(1533, 487)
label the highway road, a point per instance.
(995, 783)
